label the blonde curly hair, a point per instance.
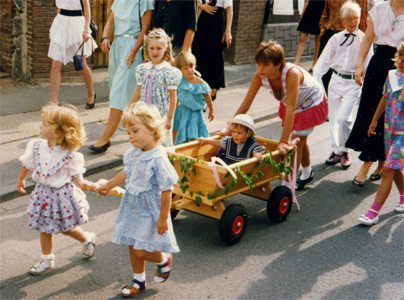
(149, 116)
(66, 121)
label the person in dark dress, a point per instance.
(214, 29)
(385, 31)
(178, 19)
(308, 24)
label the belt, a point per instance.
(129, 36)
(344, 76)
(70, 13)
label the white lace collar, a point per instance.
(163, 65)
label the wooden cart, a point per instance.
(200, 192)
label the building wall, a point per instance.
(6, 40)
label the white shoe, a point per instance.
(88, 252)
(365, 220)
(399, 208)
(43, 266)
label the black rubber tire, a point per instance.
(233, 215)
(279, 204)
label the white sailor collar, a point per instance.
(163, 65)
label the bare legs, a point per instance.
(113, 123)
(88, 79)
(56, 78)
(303, 36)
(47, 239)
(138, 259)
(389, 175)
(363, 172)
(303, 153)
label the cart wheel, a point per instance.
(233, 224)
(173, 212)
(279, 204)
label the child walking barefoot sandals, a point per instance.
(56, 204)
(143, 222)
(393, 106)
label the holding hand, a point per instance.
(258, 156)
(283, 148)
(162, 226)
(86, 35)
(209, 9)
(105, 46)
(102, 187)
(372, 128)
(359, 75)
(21, 186)
(131, 58)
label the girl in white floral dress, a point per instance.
(157, 80)
(143, 222)
(56, 204)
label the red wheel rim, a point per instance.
(283, 205)
(238, 225)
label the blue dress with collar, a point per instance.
(149, 173)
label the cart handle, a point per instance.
(212, 165)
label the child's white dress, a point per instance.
(66, 34)
(148, 174)
(56, 204)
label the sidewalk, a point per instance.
(20, 110)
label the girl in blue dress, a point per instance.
(193, 94)
(157, 80)
(143, 222)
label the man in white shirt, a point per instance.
(341, 54)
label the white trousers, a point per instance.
(343, 95)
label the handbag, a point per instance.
(93, 26)
(78, 59)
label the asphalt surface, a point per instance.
(320, 252)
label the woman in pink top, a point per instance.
(302, 101)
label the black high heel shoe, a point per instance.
(100, 149)
(90, 106)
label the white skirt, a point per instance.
(66, 34)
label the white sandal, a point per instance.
(43, 266)
(399, 208)
(367, 221)
(89, 253)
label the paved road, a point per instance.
(318, 253)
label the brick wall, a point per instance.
(287, 35)
(6, 39)
(246, 30)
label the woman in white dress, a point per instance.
(68, 31)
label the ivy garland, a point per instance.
(250, 180)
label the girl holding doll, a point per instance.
(393, 106)
(157, 80)
(56, 204)
(193, 95)
(143, 222)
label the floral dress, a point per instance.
(394, 121)
(156, 82)
(149, 173)
(56, 204)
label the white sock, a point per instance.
(165, 258)
(306, 171)
(285, 183)
(139, 276)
